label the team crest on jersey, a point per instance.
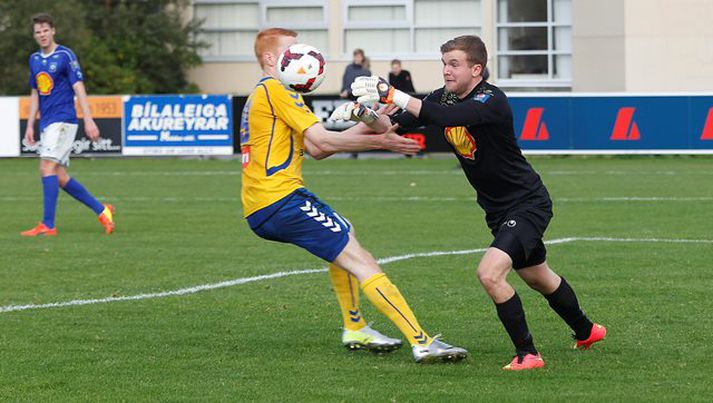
(462, 141)
(45, 84)
(483, 96)
(53, 67)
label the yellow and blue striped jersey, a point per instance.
(272, 144)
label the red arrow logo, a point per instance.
(708, 127)
(625, 127)
(534, 128)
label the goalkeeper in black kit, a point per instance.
(476, 120)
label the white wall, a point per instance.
(669, 45)
(10, 124)
(598, 46)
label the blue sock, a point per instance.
(76, 190)
(50, 190)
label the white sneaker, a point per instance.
(438, 351)
(369, 339)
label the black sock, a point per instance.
(512, 315)
(564, 302)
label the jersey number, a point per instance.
(245, 155)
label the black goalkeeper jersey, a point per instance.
(479, 129)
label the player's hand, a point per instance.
(30, 135)
(374, 89)
(355, 112)
(389, 110)
(91, 129)
(396, 143)
(344, 112)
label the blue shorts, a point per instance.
(300, 218)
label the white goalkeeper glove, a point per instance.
(355, 112)
(374, 89)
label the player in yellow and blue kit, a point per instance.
(55, 78)
(276, 129)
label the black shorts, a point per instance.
(519, 231)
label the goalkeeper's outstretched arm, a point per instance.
(469, 112)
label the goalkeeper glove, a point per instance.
(355, 112)
(374, 89)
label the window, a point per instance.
(230, 27)
(534, 41)
(417, 27)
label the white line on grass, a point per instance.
(180, 291)
(244, 280)
(632, 198)
(455, 171)
(12, 199)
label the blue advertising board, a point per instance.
(576, 123)
(614, 124)
(178, 125)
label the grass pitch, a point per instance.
(180, 226)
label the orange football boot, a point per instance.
(40, 229)
(597, 334)
(106, 218)
(528, 361)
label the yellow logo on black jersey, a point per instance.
(462, 141)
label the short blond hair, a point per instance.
(266, 40)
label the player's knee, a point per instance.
(357, 261)
(488, 277)
(48, 168)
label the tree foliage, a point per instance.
(124, 46)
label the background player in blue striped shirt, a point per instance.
(55, 78)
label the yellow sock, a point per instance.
(387, 298)
(346, 287)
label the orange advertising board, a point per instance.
(102, 107)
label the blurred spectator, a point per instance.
(356, 69)
(366, 64)
(399, 78)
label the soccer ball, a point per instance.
(301, 68)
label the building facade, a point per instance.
(534, 45)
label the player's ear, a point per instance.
(268, 59)
(476, 70)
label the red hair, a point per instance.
(266, 40)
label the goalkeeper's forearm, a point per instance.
(414, 106)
